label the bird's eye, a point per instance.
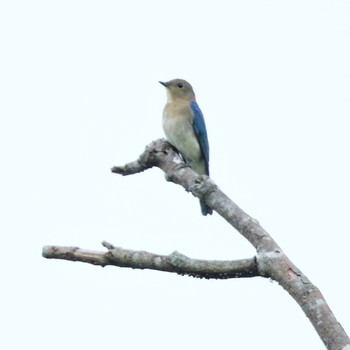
(180, 85)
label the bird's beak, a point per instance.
(164, 83)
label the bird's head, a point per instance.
(179, 89)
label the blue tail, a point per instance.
(205, 209)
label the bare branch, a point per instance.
(270, 261)
(175, 262)
(148, 159)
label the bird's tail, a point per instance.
(205, 209)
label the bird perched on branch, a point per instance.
(184, 127)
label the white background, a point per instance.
(80, 93)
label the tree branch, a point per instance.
(270, 260)
(174, 262)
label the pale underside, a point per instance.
(179, 132)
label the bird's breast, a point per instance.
(178, 128)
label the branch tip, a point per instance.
(108, 245)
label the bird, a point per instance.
(184, 128)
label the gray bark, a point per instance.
(270, 261)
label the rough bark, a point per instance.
(270, 261)
(174, 262)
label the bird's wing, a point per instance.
(201, 133)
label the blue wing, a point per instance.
(201, 133)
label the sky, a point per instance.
(79, 94)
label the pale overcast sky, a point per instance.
(80, 93)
